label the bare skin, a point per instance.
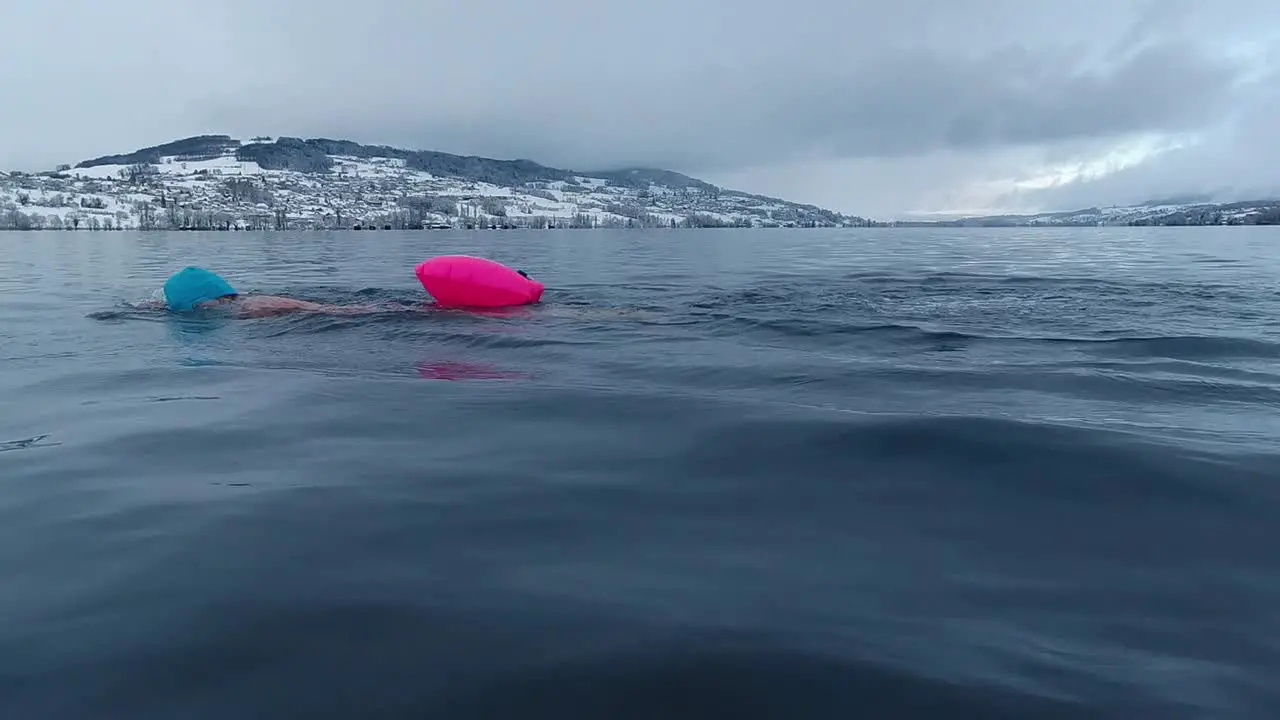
(262, 306)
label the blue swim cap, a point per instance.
(191, 286)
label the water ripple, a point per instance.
(901, 473)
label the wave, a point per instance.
(1185, 347)
(704, 675)
(1041, 462)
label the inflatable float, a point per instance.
(463, 281)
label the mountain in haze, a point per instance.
(1184, 210)
(219, 182)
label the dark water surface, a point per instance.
(818, 474)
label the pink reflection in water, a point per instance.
(456, 370)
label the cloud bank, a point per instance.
(873, 107)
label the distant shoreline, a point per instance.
(218, 183)
(427, 230)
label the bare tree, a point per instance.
(139, 174)
(146, 215)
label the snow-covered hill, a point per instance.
(217, 182)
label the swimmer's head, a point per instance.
(192, 286)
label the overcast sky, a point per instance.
(872, 107)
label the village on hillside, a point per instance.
(216, 183)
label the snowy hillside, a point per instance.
(217, 182)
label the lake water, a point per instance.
(730, 474)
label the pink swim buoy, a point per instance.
(463, 281)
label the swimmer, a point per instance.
(194, 288)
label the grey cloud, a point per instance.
(908, 103)
(1233, 159)
(918, 103)
(930, 94)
